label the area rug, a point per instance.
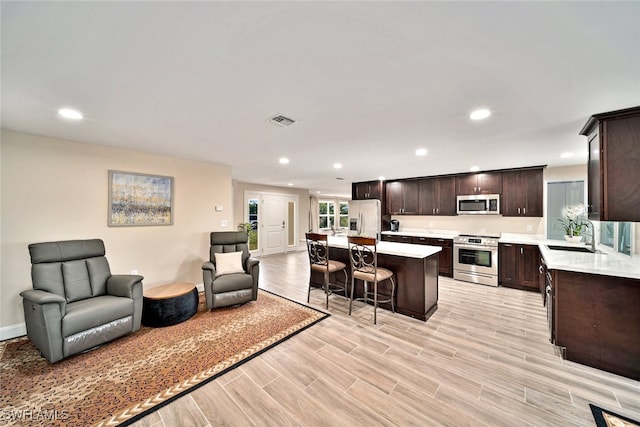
(133, 376)
(606, 418)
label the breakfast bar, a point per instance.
(416, 273)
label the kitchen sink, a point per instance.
(573, 249)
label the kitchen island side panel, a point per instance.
(597, 321)
(416, 282)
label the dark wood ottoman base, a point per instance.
(169, 304)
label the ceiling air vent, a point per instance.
(282, 121)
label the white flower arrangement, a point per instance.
(575, 219)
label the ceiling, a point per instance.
(367, 82)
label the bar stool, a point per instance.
(318, 250)
(363, 255)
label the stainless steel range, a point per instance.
(475, 259)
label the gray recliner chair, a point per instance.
(234, 288)
(76, 303)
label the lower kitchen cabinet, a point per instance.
(445, 256)
(519, 266)
(596, 321)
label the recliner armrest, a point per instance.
(209, 266)
(251, 264)
(122, 285)
(41, 297)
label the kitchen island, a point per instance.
(415, 269)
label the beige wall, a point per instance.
(57, 190)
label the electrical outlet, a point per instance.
(529, 227)
(224, 223)
(134, 271)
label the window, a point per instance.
(344, 214)
(561, 195)
(327, 212)
(617, 235)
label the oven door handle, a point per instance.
(488, 248)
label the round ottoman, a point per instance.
(168, 305)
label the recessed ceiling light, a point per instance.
(381, 178)
(318, 192)
(70, 114)
(337, 165)
(474, 168)
(290, 184)
(421, 152)
(480, 114)
(566, 155)
(284, 161)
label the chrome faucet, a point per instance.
(592, 243)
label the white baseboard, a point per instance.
(13, 331)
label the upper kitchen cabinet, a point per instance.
(366, 190)
(402, 197)
(438, 196)
(614, 165)
(522, 192)
(479, 183)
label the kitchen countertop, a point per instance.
(391, 248)
(433, 234)
(605, 262)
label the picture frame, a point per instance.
(137, 199)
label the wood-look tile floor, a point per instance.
(482, 359)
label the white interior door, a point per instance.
(274, 221)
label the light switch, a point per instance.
(218, 208)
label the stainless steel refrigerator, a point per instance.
(365, 218)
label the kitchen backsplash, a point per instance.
(481, 224)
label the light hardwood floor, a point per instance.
(482, 359)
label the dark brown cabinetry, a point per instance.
(519, 266)
(398, 238)
(445, 256)
(367, 190)
(596, 321)
(614, 165)
(479, 183)
(402, 197)
(522, 193)
(437, 196)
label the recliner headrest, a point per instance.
(67, 250)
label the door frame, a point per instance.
(252, 194)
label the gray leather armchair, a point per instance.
(76, 303)
(235, 288)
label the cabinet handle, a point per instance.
(475, 189)
(433, 210)
(507, 245)
(540, 269)
(521, 250)
(479, 188)
(437, 210)
(518, 211)
(524, 211)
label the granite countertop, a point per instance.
(391, 248)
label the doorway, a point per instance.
(273, 219)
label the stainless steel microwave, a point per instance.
(479, 204)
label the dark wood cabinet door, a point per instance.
(532, 184)
(507, 261)
(446, 187)
(622, 169)
(511, 196)
(428, 196)
(366, 190)
(479, 183)
(522, 193)
(394, 197)
(528, 263)
(489, 183)
(445, 256)
(466, 185)
(410, 197)
(594, 177)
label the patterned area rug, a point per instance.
(130, 377)
(606, 418)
